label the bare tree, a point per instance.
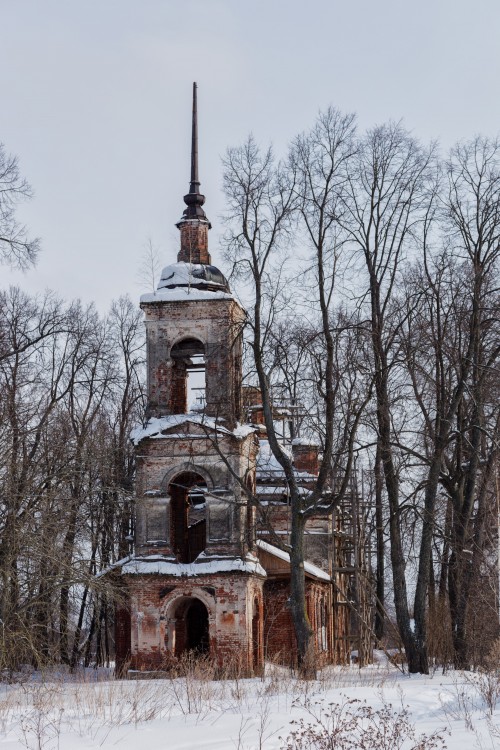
(472, 222)
(388, 204)
(16, 249)
(432, 338)
(262, 200)
(34, 382)
(149, 268)
(451, 343)
(69, 389)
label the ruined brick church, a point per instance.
(203, 579)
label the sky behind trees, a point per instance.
(95, 101)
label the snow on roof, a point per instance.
(267, 462)
(308, 567)
(271, 489)
(243, 430)
(183, 294)
(269, 467)
(187, 282)
(155, 426)
(157, 565)
(188, 274)
(312, 442)
(278, 489)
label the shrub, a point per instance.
(354, 725)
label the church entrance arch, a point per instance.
(191, 631)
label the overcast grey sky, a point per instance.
(95, 100)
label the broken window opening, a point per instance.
(188, 523)
(188, 376)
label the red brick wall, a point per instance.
(194, 243)
(252, 404)
(216, 323)
(279, 637)
(177, 392)
(305, 458)
(230, 600)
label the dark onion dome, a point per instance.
(194, 210)
(193, 276)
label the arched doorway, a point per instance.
(188, 515)
(191, 627)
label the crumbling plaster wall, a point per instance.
(159, 460)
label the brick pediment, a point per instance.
(179, 425)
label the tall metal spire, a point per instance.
(195, 183)
(194, 200)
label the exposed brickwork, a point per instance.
(158, 632)
(164, 463)
(252, 405)
(194, 242)
(219, 613)
(306, 457)
(279, 635)
(217, 325)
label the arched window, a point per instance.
(187, 392)
(188, 515)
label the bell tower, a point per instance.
(193, 322)
(194, 581)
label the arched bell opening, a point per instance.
(188, 523)
(190, 624)
(188, 376)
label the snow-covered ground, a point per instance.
(94, 711)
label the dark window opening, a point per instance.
(188, 515)
(188, 377)
(256, 636)
(191, 627)
(197, 628)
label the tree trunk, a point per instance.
(417, 658)
(380, 573)
(298, 604)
